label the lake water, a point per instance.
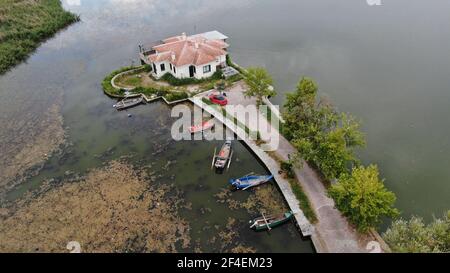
(388, 65)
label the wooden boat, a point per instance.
(269, 222)
(223, 158)
(249, 181)
(128, 102)
(205, 125)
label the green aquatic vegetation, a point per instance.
(25, 24)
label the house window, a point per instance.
(154, 68)
(170, 66)
(206, 69)
(163, 67)
(174, 70)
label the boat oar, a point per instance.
(265, 220)
(214, 157)
(229, 161)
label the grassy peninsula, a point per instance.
(24, 24)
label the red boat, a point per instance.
(218, 99)
(202, 127)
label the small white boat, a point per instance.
(202, 127)
(249, 181)
(128, 102)
(223, 159)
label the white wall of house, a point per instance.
(212, 69)
(159, 73)
(183, 71)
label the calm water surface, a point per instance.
(388, 65)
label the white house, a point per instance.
(197, 56)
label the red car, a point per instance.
(218, 99)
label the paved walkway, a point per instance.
(332, 232)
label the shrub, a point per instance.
(235, 78)
(362, 197)
(287, 167)
(174, 96)
(415, 236)
(147, 68)
(303, 200)
(207, 101)
(220, 85)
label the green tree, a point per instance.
(320, 134)
(362, 197)
(414, 236)
(259, 84)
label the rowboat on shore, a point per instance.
(269, 222)
(223, 158)
(128, 102)
(249, 181)
(205, 125)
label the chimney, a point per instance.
(183, 35)
(196, 45)
(173, 57)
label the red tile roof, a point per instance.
(182, 50)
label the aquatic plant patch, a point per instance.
(115, 201)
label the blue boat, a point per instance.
(249, 181)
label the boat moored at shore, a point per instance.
(223, 159)
(205, 125)
(128, 102)
(271, 221)
(249, 181)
